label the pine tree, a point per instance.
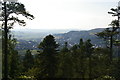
(89, 51)
(109, 36)
(65, 48)
(48, 57)
(8, 17)
(65, 66)
(28, 61)
(78, 59)
(13, 58)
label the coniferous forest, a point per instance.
(80, 61)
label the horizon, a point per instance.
(48, 31)
(27, 29)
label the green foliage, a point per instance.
(14, 9)
(114, 23)
(13, 64)
(65, 49)
(109, 36)
(28, 61)
(48, 43)
(33, 72)
(100, 60)
(81, 61)
(115, 69)
(48, 57)
(13, 59)
(65, 66)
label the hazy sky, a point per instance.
(69, 14)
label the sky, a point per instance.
(69, 14)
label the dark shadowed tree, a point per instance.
(9, 16)
(78, 54)
(109, 36)
(14, 10)
(28, 61)
(89, 50)
(100, 63)
(48, 57)
(65, 66)
(65, 48)
(13, 59)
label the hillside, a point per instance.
(72, 37)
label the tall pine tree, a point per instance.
(28, 61)
(48, 57)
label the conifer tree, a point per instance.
(28, 61)
(48, 57)
(89, 51)
(13, 59)
(9, 16)
(109, 36)
(65, 66)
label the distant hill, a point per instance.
(31, 34)
(30, 40)
(73, 37)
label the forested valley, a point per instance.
(83, 60)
